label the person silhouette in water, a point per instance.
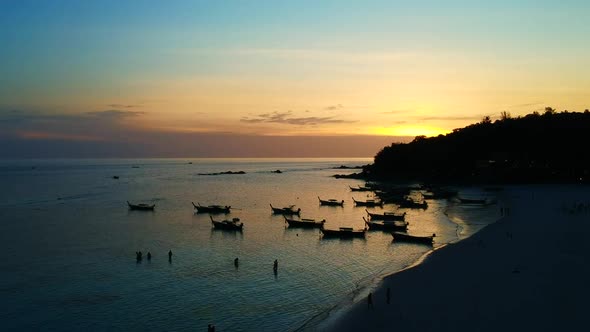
(149, 256)
(170, 256)
(236, 262)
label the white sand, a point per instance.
(527, 272)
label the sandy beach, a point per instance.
(527, 272)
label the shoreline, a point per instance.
(327, 317)
(495, 277)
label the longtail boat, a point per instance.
(304, 223)
(369, 202)
(405, 237)
(212, 208)
(331, 202)
(343, 232)
(228, 225)
(141, 206)
(387, 225)
(289, 210)
(387, 216)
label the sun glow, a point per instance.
(411, 131)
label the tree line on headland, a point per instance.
(536, 148)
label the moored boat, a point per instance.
(387, 216)
(289, 210)
(141, 206)
(369, 202)
(228, 225)
(304, 222)
(405, 237)
(331, 202)
(212, 208)
(387, 225)
(343, 232)
(412, 204)
(359, 188)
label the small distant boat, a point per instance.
(387, 225)
(278, 171)
(289, 210)
(387, 216)
(141, 206)
(305, 223)
(472, 201)
(359, 188)
(212, 208)
(116, 177)
(369, 202)
(405, 237)
(134, 166)
(228, 225)
(344, 232)
(331, 202)
(412, 204)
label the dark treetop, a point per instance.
(549, 147)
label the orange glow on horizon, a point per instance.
(410, 130)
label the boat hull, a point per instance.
(141, 207)
(213, 209)
(333, 233)
(403, 237)
(304, 223)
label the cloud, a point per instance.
(334, 107)
(397, 111)
(114, 114)
(88, 126)
(285, 118)
(525, 105)
(451, 118)
(122, 105)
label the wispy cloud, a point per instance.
(88, 126)
(114, 114)
(334, 107)
(395, 112)
(286, 118)
(451, 118)
(123, 105)
(525, 105)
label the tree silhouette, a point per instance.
(531, 148)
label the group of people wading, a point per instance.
(139, 256)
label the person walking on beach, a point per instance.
(370, 301)
(388, 295)
(170, 256)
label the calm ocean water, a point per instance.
(69, 243)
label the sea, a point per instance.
(69, 243)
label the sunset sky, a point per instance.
(276, 78)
